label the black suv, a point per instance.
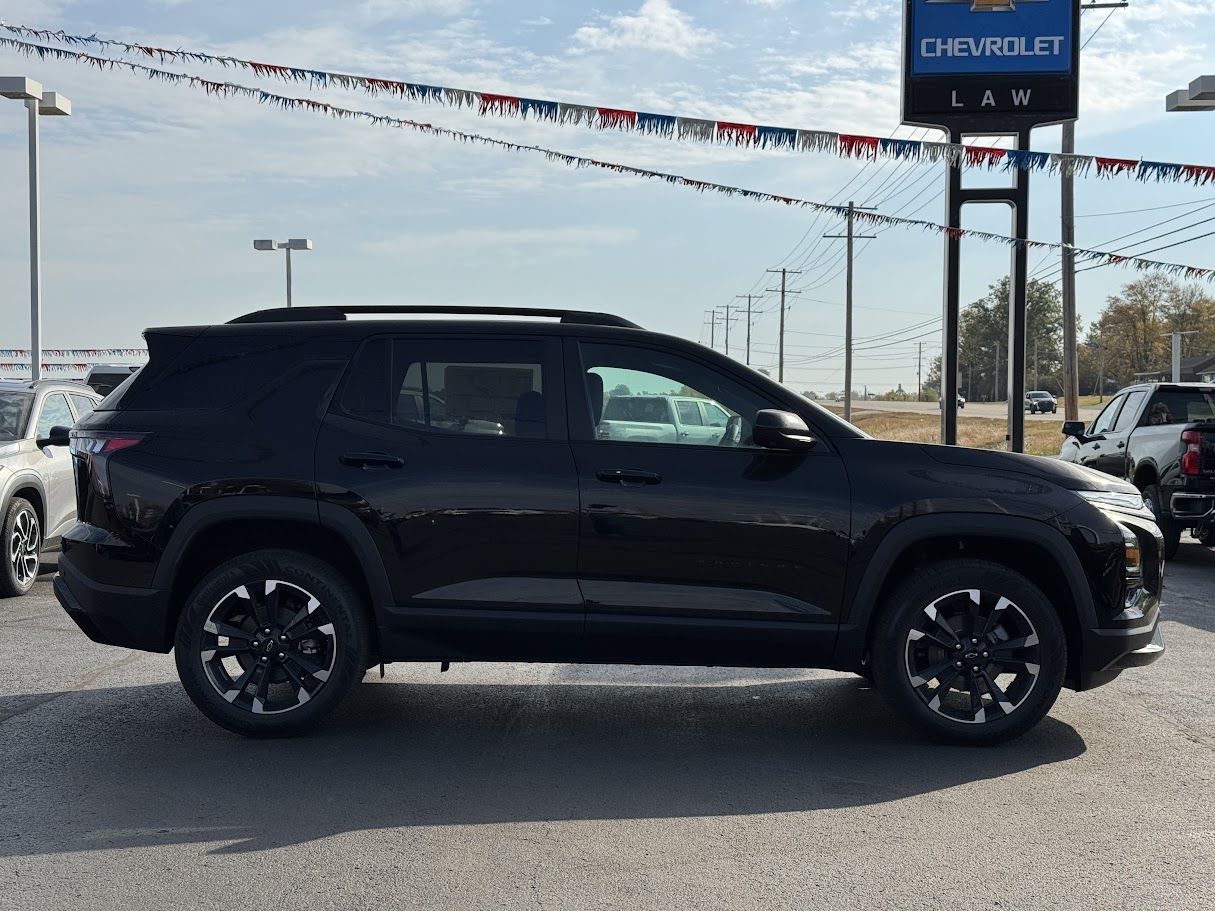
(293, 498)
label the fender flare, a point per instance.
(854, 633)
(25, 478)
(279, 508)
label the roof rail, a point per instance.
(313, 314)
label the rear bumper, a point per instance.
(138, 618)
(1192, 507)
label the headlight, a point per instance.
(1131, 501)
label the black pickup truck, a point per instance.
(1161, 437)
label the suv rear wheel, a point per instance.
(970, 652)
(23, 540)
(270, 642)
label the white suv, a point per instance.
(37, 486)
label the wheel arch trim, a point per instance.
(855, 631)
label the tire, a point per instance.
(1168, 526)
(284, 683)
(1205, 535)
(23, 544)
(924, 630)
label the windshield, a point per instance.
(1039, 395)
(14, 413)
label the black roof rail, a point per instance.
(313, 314)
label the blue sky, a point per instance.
(152, 193)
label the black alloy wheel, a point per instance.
(1205, 534)
(971, 652)
(270, 642)
(23, 539)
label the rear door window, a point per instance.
(55, 413)
(1181, 407)
(689, 414)
(481, 387)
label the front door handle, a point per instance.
(628, 477)
(371, 460)
(1122, 445)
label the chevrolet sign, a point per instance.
(989, 63)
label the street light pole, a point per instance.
(37, 102)
(296, 243)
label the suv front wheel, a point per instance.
(970, 652)
(23, 537)
(270, 642)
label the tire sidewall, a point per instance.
(906, 604)
(340, 602)
(10, 586)
(1167, 524)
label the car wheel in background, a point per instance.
(271, 642)
(1168, 526)
(23, 543)
(969, 652)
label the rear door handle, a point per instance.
(1122, 445)
(371, 460)
(628, 477)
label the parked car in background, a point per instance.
(1161, 437)
(1040, 402)
(662, 419)
(37, 489)
(104, 378)
(262, 501)
(961, 402)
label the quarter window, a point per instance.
(83, 405)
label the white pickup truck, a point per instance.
(662, 419)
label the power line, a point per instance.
(1098, 28)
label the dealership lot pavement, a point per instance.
(554, 786)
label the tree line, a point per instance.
(1131, 336)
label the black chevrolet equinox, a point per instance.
(295, 497)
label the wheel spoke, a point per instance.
(976, 699)
(998, 694)
(926, 676)
(944, 684)
(238, 687)
(310, 667)
(272, 601)
(1011, 645)
(973, 607)
(263, 688)
(227, 629)
(994, 617)
(1018, 665)
(301, 691)
(935, 616)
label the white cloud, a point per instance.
(657, 26)
(770, 4)
(539, 21)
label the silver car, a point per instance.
(37, 488)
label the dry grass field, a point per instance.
(1041, 437)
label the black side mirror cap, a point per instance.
(781, 430)
(1073, 428)
(59, 436)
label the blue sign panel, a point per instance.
(991, 37)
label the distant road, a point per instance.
(973, 409)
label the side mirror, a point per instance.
(1073, 428)
(781, 430)
(58, 437)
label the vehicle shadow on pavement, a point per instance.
(141, 767)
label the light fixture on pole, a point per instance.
(296, 243)
(37, 102)
(1200, 96)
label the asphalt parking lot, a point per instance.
(548, 786)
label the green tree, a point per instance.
(620, 390)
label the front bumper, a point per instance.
(138, 618)
(1111, 651)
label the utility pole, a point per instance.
(996, 395)
(748, 297)
(1176, 336)
(919, 374)
(780, 357)
(1035, 362)
(851, 237)
(713, 329)
(727, 329)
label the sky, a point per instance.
(153, 193)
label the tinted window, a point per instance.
(488, 388)
(717, 417)
(689, 414)
(638, 409)
(1130, 410)
(617, 368)
(1181, 407)
(219, 372)
(14, 413)
(55, 413)
(1105, 420)
(83, 405)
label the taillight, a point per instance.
(1192, 441)
(92, 450)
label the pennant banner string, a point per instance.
(232, 90)
(488, 104)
